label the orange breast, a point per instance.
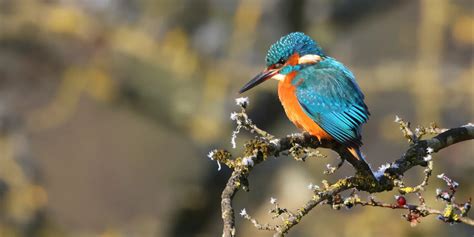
(294, 111)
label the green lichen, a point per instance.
(406, 190)
(257, 147)
(449, 214)
(225, 157)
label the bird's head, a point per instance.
(288, 54)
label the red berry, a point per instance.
(401, 201)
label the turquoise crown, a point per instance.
(296, 42)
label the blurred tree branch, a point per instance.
(388, 177)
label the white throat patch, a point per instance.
(279, 77)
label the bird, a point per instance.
(318, 93)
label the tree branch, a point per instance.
(388, 177)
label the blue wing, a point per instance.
(329, 94)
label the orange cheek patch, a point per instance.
(293, 60)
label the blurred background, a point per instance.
(108, 109)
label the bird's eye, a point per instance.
(279, 64)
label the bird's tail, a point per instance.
(356, 153)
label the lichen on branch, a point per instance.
(388, 177)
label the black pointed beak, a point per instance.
(261, 77)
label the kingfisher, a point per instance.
(319, 94)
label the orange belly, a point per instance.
(294, 111)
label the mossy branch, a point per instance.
(386, 178)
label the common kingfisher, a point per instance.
(319, 94)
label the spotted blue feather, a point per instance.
(328, 93)
(295, 42)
